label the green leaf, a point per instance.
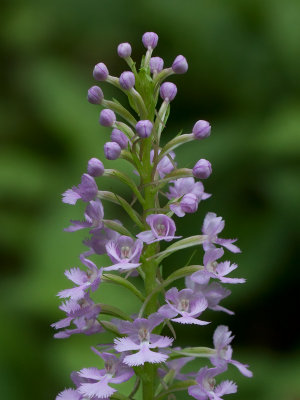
(119, 280)
(184, 271)
(115, 226)
(114, 311)
(174, 143)
(119, 109)
(192, 352)
(179, 245)
(176, 388)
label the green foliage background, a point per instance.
(244, 59)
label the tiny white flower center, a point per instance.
(212, 267)
(110, 367)
(184, 305)
(144, 335)
(125, 252)
(209, 384)
(160, 229)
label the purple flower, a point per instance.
(95, 167)
(150, 40)
(93, 215)
(213, 225)
(213, 293)
(83, 313)
(212, 269)
(99, 239)
(69, 394)
(86, 191)
(190, 192)
(162, 228)
(202, 169)
(120, 138)
(201, 129)
(124, 252)
(222, 339)
(107, 117)
(185, 303)
(207, 389)
(156, 64)
(100, 72)
(112, 150)
(168, 91)
(95, 95)
(180, 65)
(127, 80)
(165, 166)
(124, 50)
(96, 381)
(176, 366)
(141, 339)
(144, 128)
(84, 281)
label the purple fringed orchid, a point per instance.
(222, 339)
(185, 303)
(124, 252)
(93, 217)
(162, 228)
(207, 389)
(95, 382)
(165, 165)
(141, 339)
(185, 187)
(69, 394)
(213, 293)
(212, 269)
(176, 366)
(86, 191)
(83, 313)
(85, 280)
(212, 226)
(99, 239)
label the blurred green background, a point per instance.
(244, 59)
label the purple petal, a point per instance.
(228, 244)
(243, 368)
(77, 225)
(69, 394)
(190, 320)
(76, 275)
(121, 266)
(162, 341)
(99, 390)
(91, 373)
(225, 387)
(146, 236)
(144, 355)
(125, 344)
(70, 197)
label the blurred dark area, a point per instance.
(243, 77)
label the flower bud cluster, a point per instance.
(164, 192)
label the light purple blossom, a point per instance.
(100, 72)
(69, 394)
(212, 226)
(95, 95)
(212, 269)
(156, 64)
(207, 389)
(202, 169)
(83, 313)
(93, 215)
(95, 167)
(201, 129)
(107, 117)
(180, 65)
(168, 91)
(83, 279)
(120, 138)
(124, 50)
(127, 80)
(144, 128)
(162, 228)
(222, 339)
(124, 252)
(99, 239)
(165, 165)
(112, 150)
(95, 382)
(86, 191)
(181, 188)
(176, 365)
(141, 339)
(150, 40)
(185, 303)
(213, 293)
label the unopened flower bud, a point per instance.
(95, 167)
(202, 169)
(119, 137)
(127, 80)
(112, 150)
(180, 65)
(156, 64)
(189, 203)
(150, 40)
(201, 129)
(124, 50)
(95, 95)
(144, 128)
(107, 117)
(100, 72)
(168, 91)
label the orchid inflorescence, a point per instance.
(138, 347)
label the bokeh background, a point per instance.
(244, 61)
